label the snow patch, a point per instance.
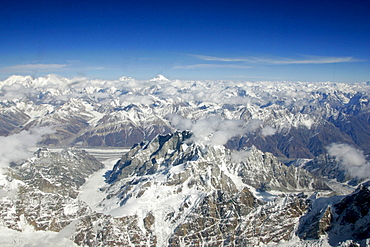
(29, 237)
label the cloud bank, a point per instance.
(215, 130)
(352, 159)
(212, 130)
(16, 147)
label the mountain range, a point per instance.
(290, 120)
(211, 163)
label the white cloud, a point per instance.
(212, 130)
(240, 156)
(14, 91)
(313, 60)
(352, 159)
(16, 146)
(179, 122)
(253, 125)
(282, 60)
(268, 131)
(222, 59)
(213, 66)
(31, 67)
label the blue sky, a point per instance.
(227, 40)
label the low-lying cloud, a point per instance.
(240, 156)
(352, 159)
(268, 131)
(212, 130)
(215, 130)
(16, 147)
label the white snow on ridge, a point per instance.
(96, 115)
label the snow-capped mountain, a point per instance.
(178, 184)
(213, 177)
(160, 78)
(294, 120)
(172, 191)
(41, 193)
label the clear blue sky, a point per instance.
(235, 40)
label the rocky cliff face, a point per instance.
(220, 221)
(339, 218)
(46, 195)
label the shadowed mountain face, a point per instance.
(340, 218)
(291, 120)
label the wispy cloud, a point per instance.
(249, 62)
(212, 66)
(32, 67)
(93, 68)
(282, 60)
(213, 130)
(49, 68)
(312, 60)
(222, 59)
(257, 77)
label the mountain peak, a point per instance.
(159, 78)
(17, 79)
(125, 78)
(42, 152)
